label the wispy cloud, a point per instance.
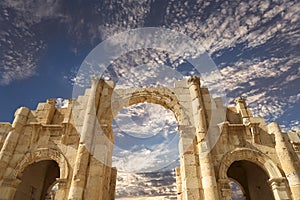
(270, 85)
(255, 44)
(19, 50)
(21, 46)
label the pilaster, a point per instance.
(12, 138)
(188, 166)
(279, 188)
(83, 153)
(208, 178)
(290, 166)
(8, 188)
(225, 189)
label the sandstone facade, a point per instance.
(71, 148)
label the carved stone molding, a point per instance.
(39, 155)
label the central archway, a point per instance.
(146, 151)
(183, 100)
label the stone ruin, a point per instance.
(56, 148)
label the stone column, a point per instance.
(207, 172)
(225, 189)
(198, 107)
(178, 183)
(188, 166)
(9, 188)
(289, 162)
(12, 138)
(242, 109)
(279, 188)
(85, 145)
(61, 189)
(208, 177)
(254, 129)
(113, 181)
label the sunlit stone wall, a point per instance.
(208, 148)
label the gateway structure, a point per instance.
(70, 149)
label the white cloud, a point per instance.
(293, 125)
(20, 44)
(144, 120)
(19, 53)
(146, 186)
(34, 11)
(61, 103)
(260, 82)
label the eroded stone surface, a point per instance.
(50, 133)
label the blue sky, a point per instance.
(254, 44)
(43, 44)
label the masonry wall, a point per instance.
(212, 137)
(47, 133)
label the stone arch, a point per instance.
(40, 155)
(165, 97)
(36, 180)
(253, 156)
(162, 96)
(276, 180)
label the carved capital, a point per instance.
(224, 183)
(11, 182)
(277, 182)
(194, 80)
(61, 183)
(240, 100)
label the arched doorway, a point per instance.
(257, 174)
(252, 178)
(101, 117)
(36, 180)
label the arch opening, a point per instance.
(145, 150)
(252, 179)
(51, 192)
(237, 191)
(37, 180)
(159, 96)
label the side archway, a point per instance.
(41, 155)
(36, 179)
(250, 155)
(48, 166)
(238, 162)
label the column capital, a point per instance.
(11, 182)
(194, 80)
(61, 182)
(240, 100)
(276, 182)
(224, 181)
